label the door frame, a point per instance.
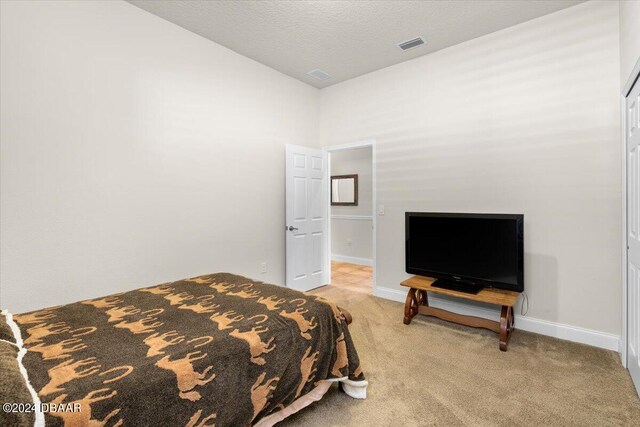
(633, 77)
(343, 147)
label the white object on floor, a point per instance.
(355, 389)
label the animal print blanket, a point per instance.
(212, 350)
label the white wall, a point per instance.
(135, 152)
(629, 37)
(524, 120)
(359, 231)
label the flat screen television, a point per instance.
(466, 252)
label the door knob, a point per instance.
(292, 228)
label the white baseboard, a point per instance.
(530, 324)
(351, 260)
(388, 293)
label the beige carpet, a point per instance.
(436, 373)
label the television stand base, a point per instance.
(452, 285)
(418, 303)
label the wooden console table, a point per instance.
(418, 303)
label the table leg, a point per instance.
(415, 298)
(506, 326)
(408, 306)
(423, 298)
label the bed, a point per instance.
(219, 349)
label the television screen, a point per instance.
(479, 249)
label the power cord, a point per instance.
(525, 298)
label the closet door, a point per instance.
(632, 133)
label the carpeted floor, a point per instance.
(436, 373)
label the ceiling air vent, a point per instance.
(410, 44)
(319, 74)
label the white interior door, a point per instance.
(633, 232)
(306, 217)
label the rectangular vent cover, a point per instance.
(410, 44)
(319, 74)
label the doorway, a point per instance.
(351, 207)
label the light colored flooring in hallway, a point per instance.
(354, 277)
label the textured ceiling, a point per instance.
(344, 38)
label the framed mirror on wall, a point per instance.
(344, 190)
